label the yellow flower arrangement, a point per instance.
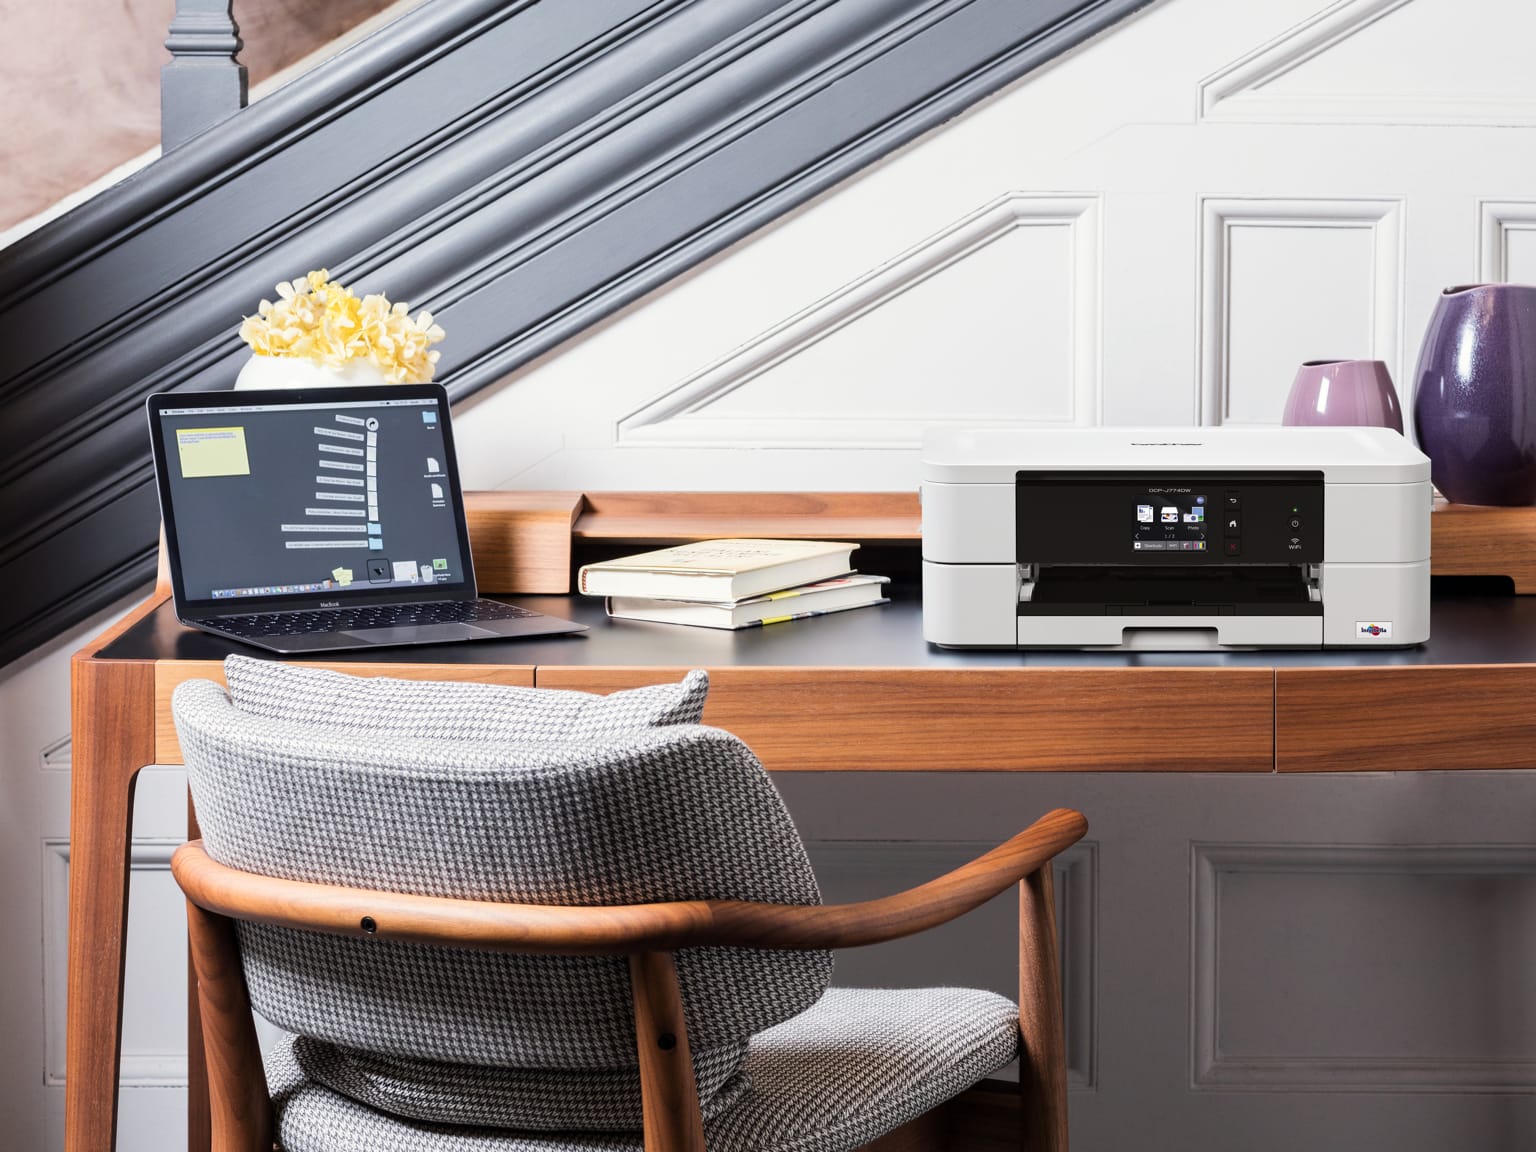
(318, 319)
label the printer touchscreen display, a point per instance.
(1207, 518)
(1170, 520)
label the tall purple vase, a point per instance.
(1474, 406)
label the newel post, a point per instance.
(204, 82)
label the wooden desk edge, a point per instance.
(825, 718)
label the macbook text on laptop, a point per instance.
(322, 519)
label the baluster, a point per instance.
(204, 82)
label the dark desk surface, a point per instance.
(1465, 629)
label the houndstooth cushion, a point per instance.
(673, 813)
(456, 711)
(540, 1099)
(857, 1065)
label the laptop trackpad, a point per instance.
(420, 634)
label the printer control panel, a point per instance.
(1170, 518)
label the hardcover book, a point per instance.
(720, 571)
(836, 595)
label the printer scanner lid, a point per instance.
(994, 454)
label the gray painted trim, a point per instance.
(203, 83)
(522, 169)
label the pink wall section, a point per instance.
(80, 82)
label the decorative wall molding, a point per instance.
(1219, 216)
(1077, 924)
(1212, 1069)
(522, 169)
(682, 416)
(58, 756)
(1239, 93)
(1497, 220)
(145, 1068)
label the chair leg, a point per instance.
(240, 1108)
(1043, 1055)
(668, 1094)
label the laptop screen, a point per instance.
(304, 499)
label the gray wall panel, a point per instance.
(1453, 849)
(1326, 968)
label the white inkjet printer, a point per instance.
(1174, 538)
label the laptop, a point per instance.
(315, 520)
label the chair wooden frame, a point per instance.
(648, 934)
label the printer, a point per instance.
(1174, 538)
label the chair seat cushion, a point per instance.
(858, 1064)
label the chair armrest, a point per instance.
(586, 930)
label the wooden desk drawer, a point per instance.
(1405, 718)
(995, 719)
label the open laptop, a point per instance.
(322, 519)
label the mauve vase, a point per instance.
(1474, 406)
(1343, 392)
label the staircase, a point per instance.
(520, 168)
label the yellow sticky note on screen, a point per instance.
(212, 452)
(342, 576)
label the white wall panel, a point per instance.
(1289, 281)
(994, 317)
(1269, 183)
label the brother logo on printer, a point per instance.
(1377, 629)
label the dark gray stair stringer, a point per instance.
(521, 169)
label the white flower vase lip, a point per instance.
(261, 372)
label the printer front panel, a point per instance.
(1164, 559)
(1149, 520)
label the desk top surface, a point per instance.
(1465, 629)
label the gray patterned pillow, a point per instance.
(437, 710)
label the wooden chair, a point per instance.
(433, 888)
(648, 934)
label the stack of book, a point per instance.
(733, 583)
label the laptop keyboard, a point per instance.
(370, 616)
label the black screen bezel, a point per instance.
(1219, 481)
(187, 609)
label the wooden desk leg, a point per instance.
(113, 735)
(199, 1110)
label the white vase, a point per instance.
(291, 372)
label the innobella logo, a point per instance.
(1373, 629)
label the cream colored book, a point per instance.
(836, 595)
(719, 571)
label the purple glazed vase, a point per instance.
(1474, 405)
(1348, 392)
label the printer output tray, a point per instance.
(1108, 590)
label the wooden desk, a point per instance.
(851, 692)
